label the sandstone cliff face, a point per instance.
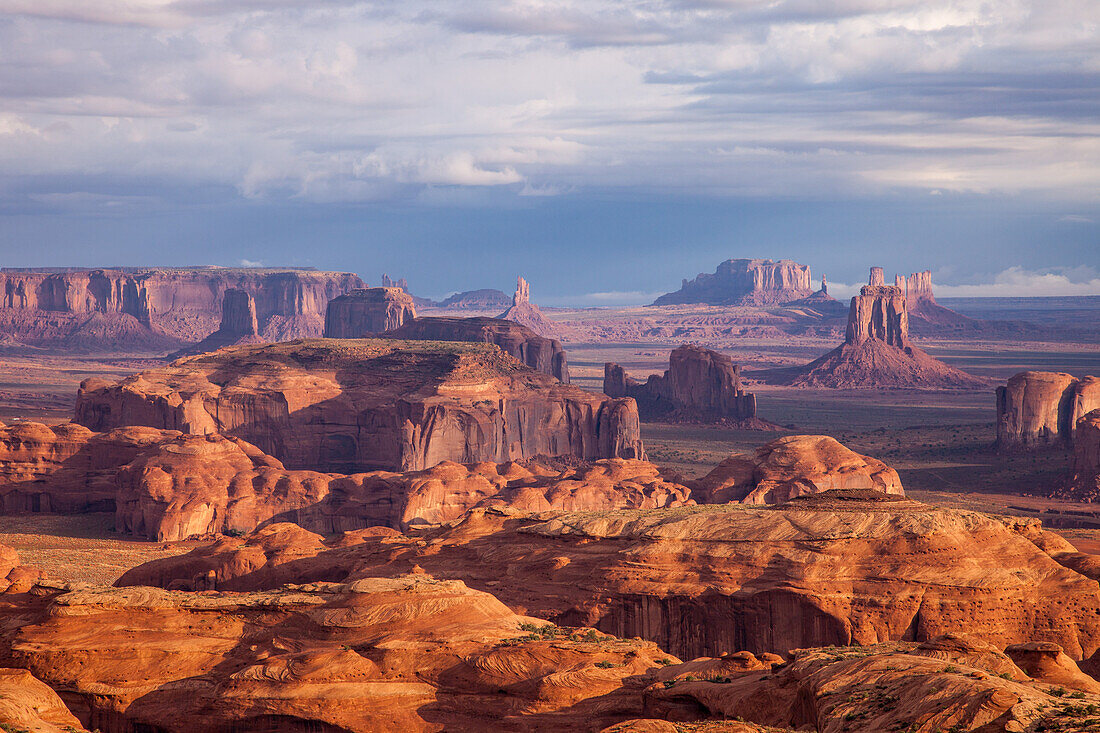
(1035, 408)
(541, 354)
(354, 405)
(699, 384)
(238, 326)
(1084, 483)
(876, 351)
(170, 305)
(793, 466)
(367, 312)
(745, 282)
(710, 580)
(527, 314)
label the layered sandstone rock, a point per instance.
(403, 284)
(541, 354)
(367, 312)
(28, 704)
(239, 325)
(409, 653)
(526, 313)
(354, 405)
(1035, 408)
(745, 282)
(710, 580)
(876, 351)
(488, 299)
(1084, 481)
(699, 384)
(154, 308)
(793, 466)
(929, 317)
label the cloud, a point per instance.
(1017, 282)
(251, 263)
(345, 101)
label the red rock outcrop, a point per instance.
(745, 282)
(876, 351)
(28, 704)
(488, 299)
(367, 312)
(541, 354)
(793, 466)
(929, 317)
(158, 308)
(410, 653)
(239, 325)
(1084, 481)
(1035, 408)
(709, 580)
(526, 313)
(699, 385)
(355, 405)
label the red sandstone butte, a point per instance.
(745, 282)
(368, 312)
(1039, 408)
(526, 313)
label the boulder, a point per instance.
(745, 282)
(347, 406)
(541, 354)
(794, 466)
(368, 311)
(699, 385)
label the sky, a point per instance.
(604, 150)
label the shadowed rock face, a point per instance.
(367, 312)
(1084, 483)
(745, 282)
(180, 305)
(699, 384)
(1039, 408)
(239, 325)
(833, 568)
(541, 354)
(876, 351)
(355, 405)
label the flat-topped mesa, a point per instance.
(699, 384)
(177, 304)
(541, 354)
(1043, 408)
(344, 405)
(368, 311)
(526, 313)
(745, 282)
(878, 312)
(489, 299)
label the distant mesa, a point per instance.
(745, 282)
(158, 309)
(526, 313)
(489, 299)
(699, 385)
(403, 284)
(876, 351)
(239, 325)
(367, 312)
(541, 354)
(351, 405)
(1043, 408)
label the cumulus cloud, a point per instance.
(355, 101)
(1017, 282)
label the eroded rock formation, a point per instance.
(793, 466)
(239, 325)
(876, 351)
(368, 312)
(928, 316)
(541, 354)
(828, 569)
(745, 282)
(158, 308)
(1043, 408)
(699, 384)
(355, 405)
(1084, 482)
(526, 313)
